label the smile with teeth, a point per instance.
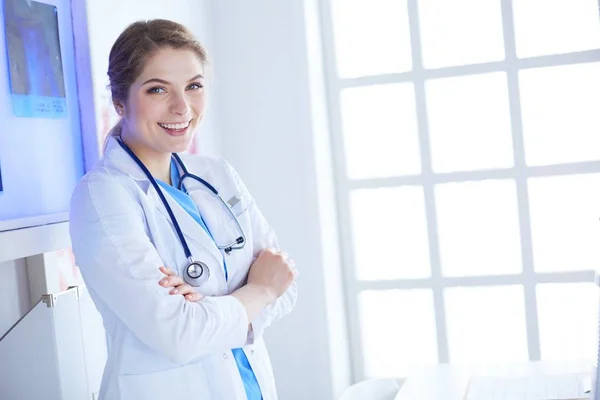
(176, 127)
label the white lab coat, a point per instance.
(161, 346)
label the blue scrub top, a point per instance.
(186, 202)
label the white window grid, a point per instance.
(427, 179)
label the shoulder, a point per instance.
(102, 177)
(103, 189)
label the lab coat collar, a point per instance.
(189, 227)
(123, 161)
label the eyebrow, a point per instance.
(199, 76)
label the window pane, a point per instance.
(469, 123)
(478, 228)
(398, 330)
(380, 131)
(545, 27)
(564, 222)
(568, 319)
(371, 37)
(560, 113)
(486, 324)
(460, 32)
(390, 218)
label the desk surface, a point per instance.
(449, 382)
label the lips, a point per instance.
(175, 126)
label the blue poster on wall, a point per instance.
(34, 58)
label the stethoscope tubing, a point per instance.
(186, 249)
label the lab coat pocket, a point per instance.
(177, 383)
(238, 205)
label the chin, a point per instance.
(183, 143)
(180, 146)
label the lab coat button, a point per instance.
(225, 356)
(252, 351)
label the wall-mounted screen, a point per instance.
(41, 152)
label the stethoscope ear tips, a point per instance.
(239, 240)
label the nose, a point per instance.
(179, 104)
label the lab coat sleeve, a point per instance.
(120, 263)
(264, 237)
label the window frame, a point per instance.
(519, 173)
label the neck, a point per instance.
(159, 164)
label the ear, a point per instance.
(119, 108)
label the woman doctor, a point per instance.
(179, 261)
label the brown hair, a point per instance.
(136, 43)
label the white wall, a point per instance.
(274, 132)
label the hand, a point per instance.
(274, 271)
(179, 286)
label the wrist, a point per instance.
(264, 292)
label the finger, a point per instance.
(194, 297)
(183, 289)
(167, 271)
(172, 280)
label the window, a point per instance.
(467, 147)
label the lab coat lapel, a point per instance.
(192, 231)
(212, 210)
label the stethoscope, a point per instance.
(196, 272)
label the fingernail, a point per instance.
(164, 282)
(174, 291)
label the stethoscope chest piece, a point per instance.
(196, 273)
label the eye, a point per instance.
(156, 89)
(195, 86)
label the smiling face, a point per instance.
(164, 104)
